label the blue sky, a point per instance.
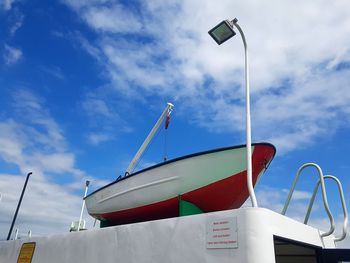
(83, 82)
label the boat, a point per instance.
(203, 182)
(207, 181)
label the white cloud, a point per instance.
(105, 121)
(112, 19)
(11, 147)
(54, 162)
(97, 138)
(12, 55)
(107, 16)
(78, 4)
(15, 27)
(29, 109)
(274, 199)
(97, 106)
(54, 71)
(34, 142)
(127, 58)
(305, 111)
(295, 79)
(7, 4)
(17, 23)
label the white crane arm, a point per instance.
(167, 111)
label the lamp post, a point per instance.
(18, 206)
(221, 33)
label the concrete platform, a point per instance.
(251, 235)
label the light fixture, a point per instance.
(220, 34)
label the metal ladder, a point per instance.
(321, 182)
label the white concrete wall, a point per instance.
(171, 240)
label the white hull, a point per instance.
(167, 181)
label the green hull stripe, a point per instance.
(187, 208)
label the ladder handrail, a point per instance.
(342, 198)
(324, 195)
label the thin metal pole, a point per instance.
(82, 207)
(16, 233)
(18, 206)
(248, 122)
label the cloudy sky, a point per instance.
(83, 81)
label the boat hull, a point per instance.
(212, 181)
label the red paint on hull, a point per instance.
(231, 192)
(225, 194)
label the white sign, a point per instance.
(222, 232)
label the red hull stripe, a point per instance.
(228, 193)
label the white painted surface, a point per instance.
(180, 239)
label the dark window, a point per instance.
(290, 251)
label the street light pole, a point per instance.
(220, 34)
(18, 206)
(248, 120)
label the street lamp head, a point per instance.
(222, 32)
